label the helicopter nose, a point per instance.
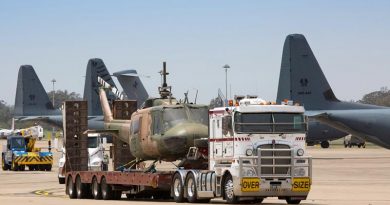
(181, 137)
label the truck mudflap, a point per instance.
(33, 160)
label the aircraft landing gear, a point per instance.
(325, 144)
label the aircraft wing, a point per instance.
(368, 124)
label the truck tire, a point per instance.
(71, 189)
(107, 193)
(292, 201)
(4, 165)
(14, 167)
(48, 167)
(61, 180)
(192, 194)
(229, 190)
(178, 188)
(81, 189)
(96, 190)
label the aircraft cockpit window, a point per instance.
(173, 116)
(199, 114)
(157, 123)
(135, 126)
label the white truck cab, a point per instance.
(97, 158)
(256, 150)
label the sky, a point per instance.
(350, 40)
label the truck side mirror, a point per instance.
(104, 141)
(8, 146)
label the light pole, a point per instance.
(226, 66)
(53, 81)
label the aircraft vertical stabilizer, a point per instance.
(132, 86)
(301, 78)
(95, 68)
(31, 98)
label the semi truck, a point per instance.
(255, 149)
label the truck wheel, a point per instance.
(22, 167)
(178, 188)
(229, 190)
(71, 189)
(14, 167)
(292, 201)
(96, 191)
(106, 190)
(61, 180)
(192, 194)
(3, 164)
(48, 167)
(81, 189)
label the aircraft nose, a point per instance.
(181, 137)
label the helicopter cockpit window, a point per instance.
(157, 123)
(135, 126)
(173, 116)
(199, 114)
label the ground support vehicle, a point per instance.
(254, 150)
(20, 152)
(350, 141)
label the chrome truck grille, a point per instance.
(275, 159)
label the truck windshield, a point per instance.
(269, 122)
(17, 143)
(92, 142)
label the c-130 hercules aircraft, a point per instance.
(164, 129)
(302, 80)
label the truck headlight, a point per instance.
(300, 152)
(299, 172)
(249, 152)
(248, 172)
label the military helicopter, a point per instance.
(163, 129)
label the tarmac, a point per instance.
(340, 176)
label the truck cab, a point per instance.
(256, 150)
(15, 146)
(97, 161)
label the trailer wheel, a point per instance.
(107, 193)
(192, 194)
(71, 189)
(81, 189)
(292, 201)
(229, 190)
(178, 188)
(96, 190)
